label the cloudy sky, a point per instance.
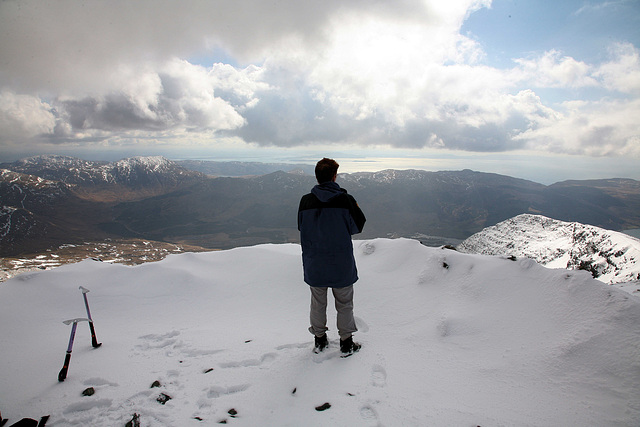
(540, 89)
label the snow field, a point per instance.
(448, 339)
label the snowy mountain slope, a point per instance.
(20, 195)
(18, 188)
(610, 256)
(449, 339)
(26, 201)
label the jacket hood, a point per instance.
(327, 190)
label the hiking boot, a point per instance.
(348, 347)
(321, 343)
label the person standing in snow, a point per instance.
(327, 218)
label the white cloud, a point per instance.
(552, 70)
(178, 96)
(23, 116)
(238, 86)
(142, 87)
(189, 98)
(602, 128)
(622, 74)
(597, 8)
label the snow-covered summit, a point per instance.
(610, 256)
(150, 162)
(449, 339)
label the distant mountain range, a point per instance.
(128, 179)
(51, 200)
(240, 169)
(608, 255)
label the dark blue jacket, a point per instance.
(327, 217)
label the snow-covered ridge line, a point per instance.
(610, 256)
(53, 160)
(72, 170)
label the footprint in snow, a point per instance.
(86, 405)
(266, 358)
(368, 413)
(155, 341)
(294, 346)
(378, 376)
(216, 392)
(97, 381)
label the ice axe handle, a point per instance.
(65, 367)
(63, 372)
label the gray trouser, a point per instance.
(344, 306)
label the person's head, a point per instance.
(326, 170)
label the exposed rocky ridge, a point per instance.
(610, 256)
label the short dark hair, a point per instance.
(326, 169)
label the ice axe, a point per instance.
(94, 341)
(63, 372)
